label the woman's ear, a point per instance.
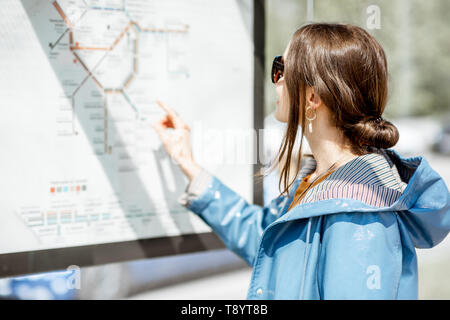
(312, 98)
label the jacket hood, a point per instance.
(426, 200)
(383, 181)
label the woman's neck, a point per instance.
(326, 153)
(327, 143)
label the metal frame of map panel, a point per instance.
(259, 58)
(20, 263)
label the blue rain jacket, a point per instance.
(353, 236)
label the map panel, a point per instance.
(81, 163)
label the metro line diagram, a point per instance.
(117, 45)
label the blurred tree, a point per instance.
(414, 33)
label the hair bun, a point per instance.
(372, 119)
(373, 131)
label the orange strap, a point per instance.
(303, 185)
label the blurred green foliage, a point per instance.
(415, 35)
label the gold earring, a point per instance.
(310, 119)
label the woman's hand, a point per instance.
(177, 141)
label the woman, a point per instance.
(347, 227)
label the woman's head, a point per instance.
(340, 70)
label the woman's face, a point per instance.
(282, 104)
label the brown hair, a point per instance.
(347, 68)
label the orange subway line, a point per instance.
(120, 37)
(136, 24)
(87, 70)
(81, 62)
(96, 81)
(62, 14)
(109, 91)
(127, 83)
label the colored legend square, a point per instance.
(58, 189)
(66, 189)
(78, 188)
(52, 189)
(83, 188)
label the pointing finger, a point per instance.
(166, 108)
(177, 120)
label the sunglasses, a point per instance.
(277, 68)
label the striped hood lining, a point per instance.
(371, 178)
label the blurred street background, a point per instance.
(416, 37)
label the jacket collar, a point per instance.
(378, 181)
